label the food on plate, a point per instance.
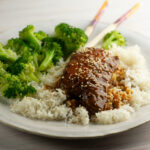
(28, 57)
(13, 86)
(91, 78)
(113, 37)
(73, 38)
(7, 54)
(52, 53)
(56, 77)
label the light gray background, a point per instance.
(18, 12)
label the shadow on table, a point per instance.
(137, 138)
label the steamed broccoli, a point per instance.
(52, 54)
(17, 45)
(7, 54)
(28, 35)
(73, 38)
(14, 87)
(25, 67)
(11, 86)
(32, 53)
(114, 37)
(40, 35)
(54, 39)
(3, 73)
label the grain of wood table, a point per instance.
(18, 12)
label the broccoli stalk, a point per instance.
(7, 54)
(35, 59)
(47, 60)
(52, 54)
(27, 34)
(113, 37)
(73, 38)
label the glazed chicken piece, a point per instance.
(87, 80)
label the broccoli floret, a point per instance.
(11, 86)
(17, 45)
(114, 37)
(7, 54)
(74, 38)
(14, 87)
(27, 34)
(54, 39)
(29, 73)
(40, 35)
(52, 54)
(3, 73)
(25, 67)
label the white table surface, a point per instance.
(19, 12)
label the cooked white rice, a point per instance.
(48, 104)
(54, 73)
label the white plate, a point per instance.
(62, 129)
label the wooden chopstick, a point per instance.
(113, 26)
(90, 28)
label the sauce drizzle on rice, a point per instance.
(92, 79)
